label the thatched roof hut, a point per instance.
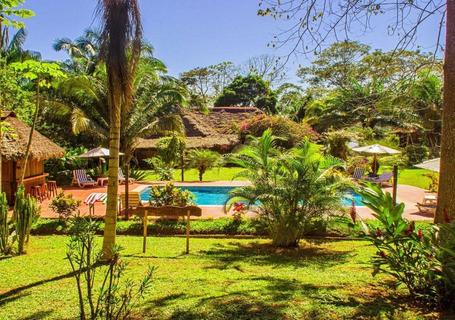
(15, 141)
(216, 130)
(13, 149)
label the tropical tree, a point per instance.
(251, 90)
(203, 160)
(321, 21)
(13, 50)
(288, 188)
(120, 50)
(41, 75)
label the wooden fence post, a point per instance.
(144, 241)
(188, 231)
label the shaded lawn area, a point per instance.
(409, 176)
(220, 279)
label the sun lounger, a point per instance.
(81, 179)
(427, 208)
(121, 177)
(382, 179)
(358, 173)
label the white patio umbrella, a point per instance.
(432, 164)
(99, 152)
(375, 150)
(96, 153)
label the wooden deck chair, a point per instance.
(121, 177)
(134, 200)
(81, 179)
(426, 208)
(358, 173)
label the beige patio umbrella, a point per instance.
(432, 164)
(375, 150)
(99, 152)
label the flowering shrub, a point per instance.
(169, 195)
(239, 209)
(417, 260)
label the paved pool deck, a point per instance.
(408, 194)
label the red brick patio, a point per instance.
(407, 194)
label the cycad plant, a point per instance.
(288, 188)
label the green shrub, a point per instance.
(64, 205)
(169, 195)
(416, 153)
(288, 189)
(422, 261)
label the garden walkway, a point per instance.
(408, 194)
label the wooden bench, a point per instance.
(168, 211)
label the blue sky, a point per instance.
(188, 33)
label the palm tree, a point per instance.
(83, 52)
(13, 50)
(287, 189)
(203, 160)
(120, 50)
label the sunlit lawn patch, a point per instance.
(220, 279)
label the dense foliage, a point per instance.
(289, 188)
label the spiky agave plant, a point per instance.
(25, 211)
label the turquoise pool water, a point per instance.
(217, 196)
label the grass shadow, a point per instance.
(228, 256)
(38, 315)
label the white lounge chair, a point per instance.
(81, 179)
(121, 177)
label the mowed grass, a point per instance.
(216, 174)
(409, 176)
(220, 279)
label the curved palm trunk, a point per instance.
(446, 194)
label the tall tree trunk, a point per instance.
(110, 219)
(446, 194)
(30, 136)
(182, 166)
(127, 185)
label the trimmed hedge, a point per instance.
(335, 227)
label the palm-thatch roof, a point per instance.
(15, 141)
(218, 129)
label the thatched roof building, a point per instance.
(16, 137)
(217, 130)
(13, 149)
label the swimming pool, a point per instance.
(217, 195)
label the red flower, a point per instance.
(420, 234)
(447, 218)
(238, 207)
(382, 254)
(353, 212)
(378, 233)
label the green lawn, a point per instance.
(220, 279)
(413, 177)
(217, 174)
